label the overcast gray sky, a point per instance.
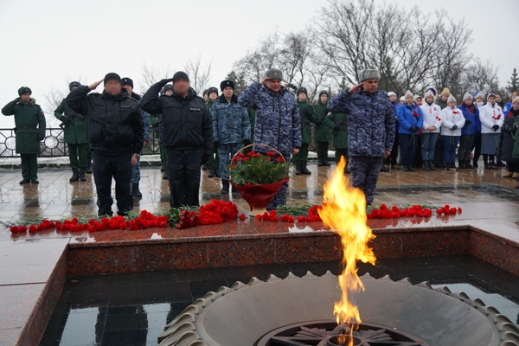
(46, 42)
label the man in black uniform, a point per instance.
(115, 132)
(187, 130)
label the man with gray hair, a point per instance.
(371, 129)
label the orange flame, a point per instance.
(344, 211)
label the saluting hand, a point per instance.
(264, 80)
(356, 88)
(95, 85)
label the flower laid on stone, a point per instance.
(304, 213)
(384, 212)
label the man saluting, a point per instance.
(371, 129)
(115, 132)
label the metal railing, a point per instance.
(53, 144)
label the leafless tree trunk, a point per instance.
(199, 74)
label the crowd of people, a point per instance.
(374, 130)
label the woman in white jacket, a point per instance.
(452, 122)
(492, 119)
(432, 122)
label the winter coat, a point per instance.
(431, 117)
(450, 117)
(74, 131)
(478, 120)
(507, 136)
(340, 138)
(409, 116)
(491, 115)
(323, 123)
(114, 123)
(371, 121)
(145, 118)
(278, 122)
(30, 125)
(307, 118)
(507, 108)
(470, 113)
(186, 122)
(439, 101)
(396, 105)
(231, 122)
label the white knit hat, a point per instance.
(408, 93)
(391, 93)
(402, 98)
(467, 96)
(451, 99)
(490, 94)
(429, 93)
(416, 97)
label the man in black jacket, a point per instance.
(115, 132)
(187, 130)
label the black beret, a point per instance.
(24, 90)
(168, 87)
(212, 90)
(226, 83)
(323, 92)
(112, 76)
(127, 81)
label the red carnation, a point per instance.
(242, 217)
(301, 218)
(280, 159)
(235, 159)
(270, 153)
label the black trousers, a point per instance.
(477, 147)
(119, 167)
(392, 159)
(184, 176)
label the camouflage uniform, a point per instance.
(371, 132)
(214, 160)
(277, 123)
(340, 135)
(231, 128)
(136, 170)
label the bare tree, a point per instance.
(199, 74)
(481, 76)
(152, 74)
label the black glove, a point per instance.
(454, 127)
(66, 120)
(41, 137)
(319, 122)
(165, 81)
(205, 158)
(246, 142)
(413, 129)
(336, 128)
(468, 122)
(307, 112)
(16, 100)
(216, 145)
(495, 127)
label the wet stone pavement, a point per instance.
(132, 309)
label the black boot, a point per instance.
(384, 169)
(82, 176)
(35, 181)
(211, 170)
(468, 165)
(411, 168)
(225, 187)
(426, 166)
(304, 170)
(165, 175)
(162, 168)
(204, 167)
(320, 163)
(447, 167)
(431, 165)
(298, 168)
(405, 168)
(234, 190)
(135, 191)
(75, 176)
(25, 181)
(88, 168)
(217, 172)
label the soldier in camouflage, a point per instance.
(371, 129)
(231, 129)
(277, 121)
